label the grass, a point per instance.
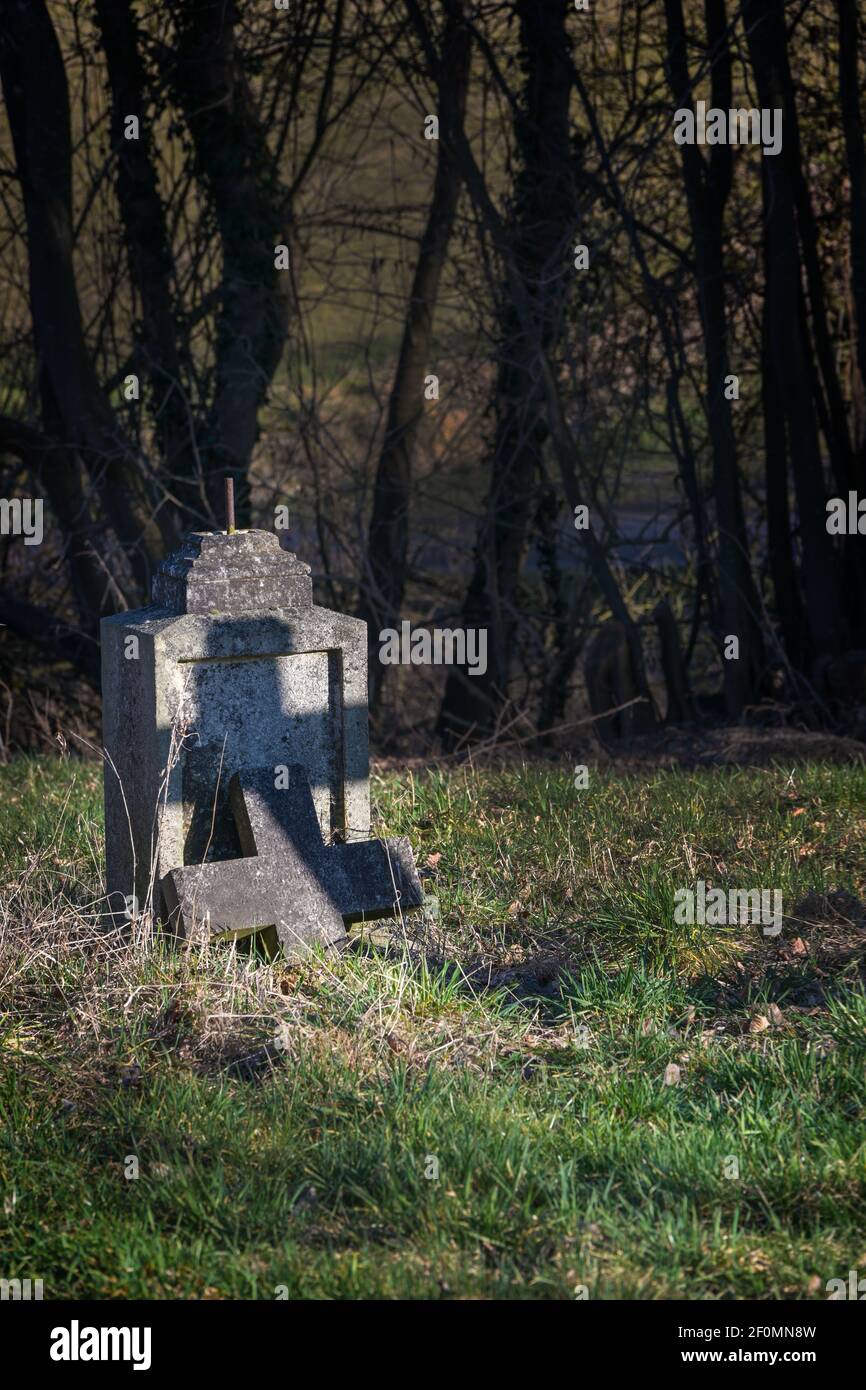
(474, 1105)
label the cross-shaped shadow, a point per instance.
(266, 847)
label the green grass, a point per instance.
(288, 1123)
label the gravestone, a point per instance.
(234, 670)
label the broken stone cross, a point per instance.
(231, 669)
(290, 879)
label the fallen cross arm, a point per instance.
(289, 878)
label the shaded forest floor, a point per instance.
(539, 1085)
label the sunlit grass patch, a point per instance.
(549, 1087)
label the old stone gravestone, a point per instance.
(234, 726)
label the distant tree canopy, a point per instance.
(449, 281)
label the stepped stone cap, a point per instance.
(241, 572)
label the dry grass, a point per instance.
(578, 1067)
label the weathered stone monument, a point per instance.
(236, 768)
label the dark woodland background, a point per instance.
(412, 257)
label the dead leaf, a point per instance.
(759, 1023)
(672, 1074)
(433, 860)
(799, 947)
(757, 1259)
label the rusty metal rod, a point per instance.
(230, 505)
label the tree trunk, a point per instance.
(707, 187)
(542, 215)
(789, 352)
(680, 704)
(852, 125)
(783, 571)
(383, 581)
(55, 468)
(158, 358)
(236, 168)
(37, 104)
